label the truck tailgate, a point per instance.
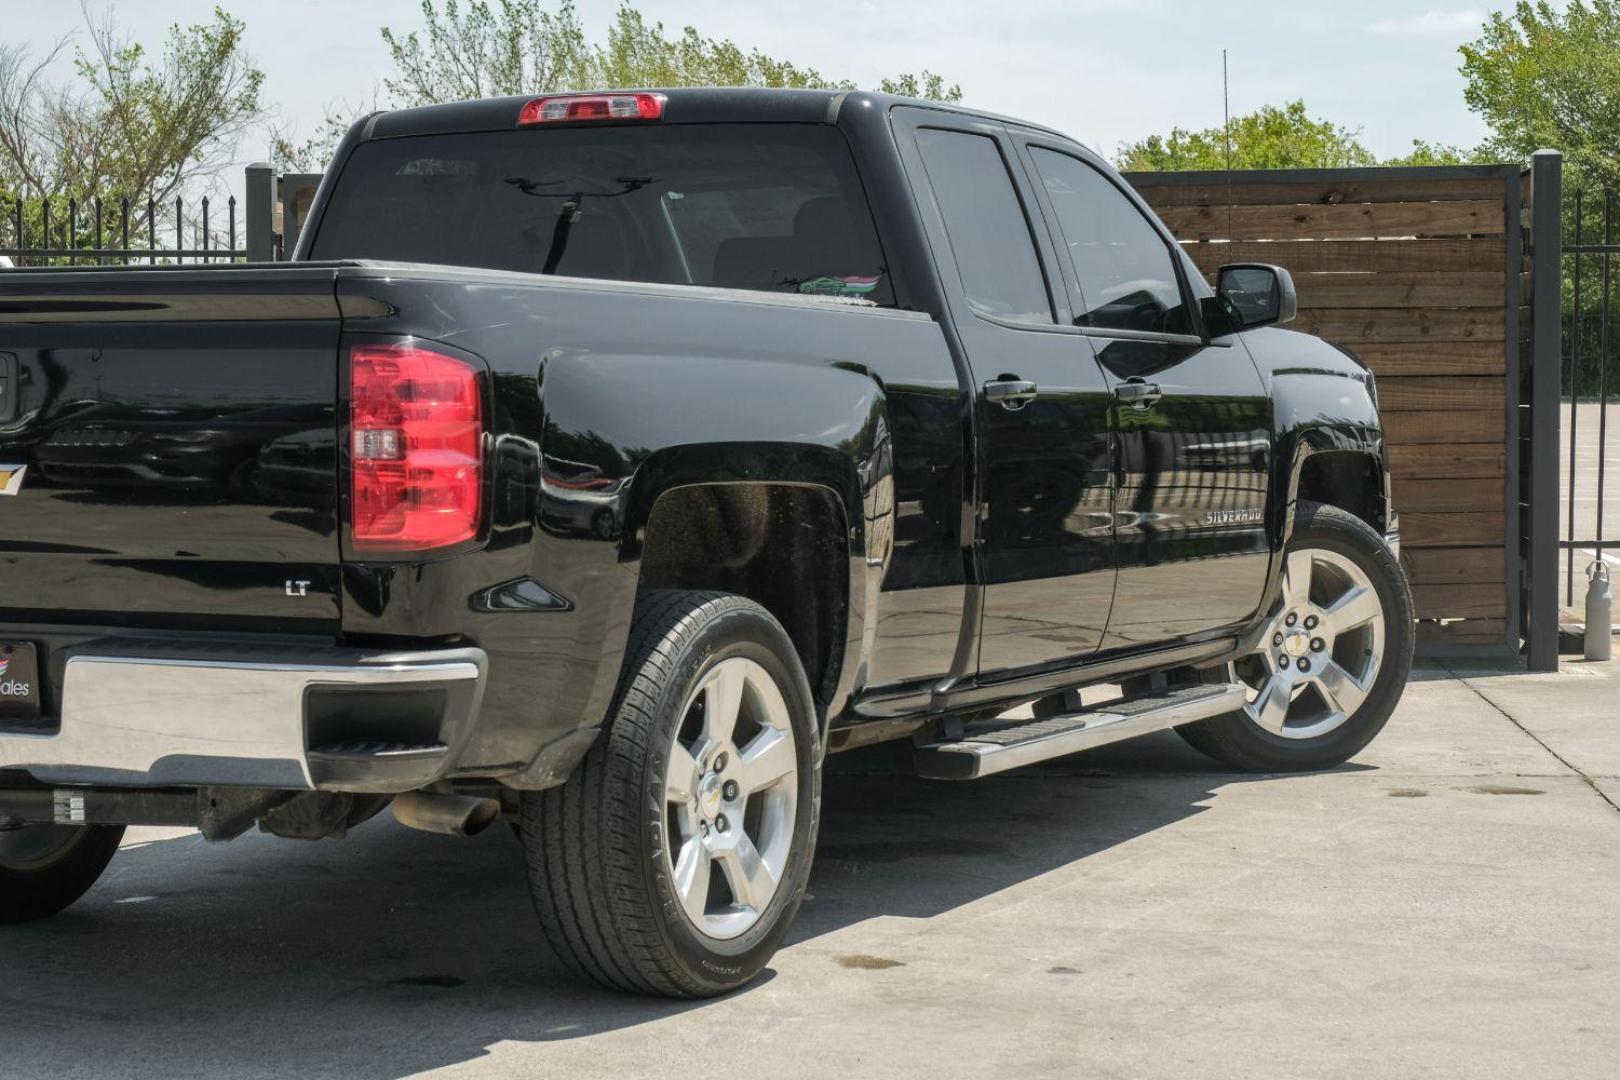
(168, 448)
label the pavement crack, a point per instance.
(1539, 741)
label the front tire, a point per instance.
(674, 860)
(45, 868)
(1334, 659)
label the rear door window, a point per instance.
(772, 207)
(990, 237)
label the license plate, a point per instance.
(19, 684)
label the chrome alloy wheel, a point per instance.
(731, 797)
(1320, 656)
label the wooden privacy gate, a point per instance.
(1421, 273)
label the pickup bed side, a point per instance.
(643, 393)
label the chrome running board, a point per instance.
(993, 747)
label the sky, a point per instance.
(1106, 72)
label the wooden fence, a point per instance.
(1419, 274)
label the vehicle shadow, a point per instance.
(396, 952)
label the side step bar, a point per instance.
(999, 745)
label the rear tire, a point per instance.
(1354, 677)
(45, 868)
(674, 859)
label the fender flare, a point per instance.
(1304, 427)
(855, 468)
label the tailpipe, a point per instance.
(448, 815)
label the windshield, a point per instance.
(776, 207)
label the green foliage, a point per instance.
(129, 124)
(1270, 138)
(1285, 138)
(1426, 153)
(926, 85)
(476, 51)
(482, 49)
(1545, 76)
(638, 53)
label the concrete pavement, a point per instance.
(1444, 906)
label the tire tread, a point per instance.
(583, 862)
(1233, 740)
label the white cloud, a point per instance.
(1431, 22)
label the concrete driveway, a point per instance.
(1445, 906)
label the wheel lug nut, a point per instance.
(1317, 644)
(730, 791)
(1291, 619)
(1304, 664)
(703, 827)
(722, 824)
(1310, 622)
(720, 762)
(1282, 661)
(1276, 639)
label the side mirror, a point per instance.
(1254, 294)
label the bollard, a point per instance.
(1599, 614)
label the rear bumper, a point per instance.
(249, 716)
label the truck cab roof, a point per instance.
(686, 105)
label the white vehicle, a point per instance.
(6, 264)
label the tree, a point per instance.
(1427, 153)
(487, 52)
(482, 49)
(1545, 76)
(927, 85)
(126, 125)
(637, 53)
(1270, 138)
(513, 47)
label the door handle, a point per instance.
(1138, 394)
(1010, 394)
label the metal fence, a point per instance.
(1591, 380)
(145, 231)
(101, 232)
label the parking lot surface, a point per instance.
(1443, 906)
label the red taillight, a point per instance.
(562, 108)
(416, 448)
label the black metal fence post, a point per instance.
(260, 213)
(1539, 495)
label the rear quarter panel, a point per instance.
(604, 395)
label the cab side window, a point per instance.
(1124, 269)
(990, 238)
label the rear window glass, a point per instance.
(775, 207)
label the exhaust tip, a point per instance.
(446, 815)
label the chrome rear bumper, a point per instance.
(294, 718)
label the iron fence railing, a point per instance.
(1591, 376)
(100, 232)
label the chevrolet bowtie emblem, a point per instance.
(11, 478)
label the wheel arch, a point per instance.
(1329, 441)
(783, 544)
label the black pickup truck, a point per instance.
(605, 460)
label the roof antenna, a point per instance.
(1226, 128)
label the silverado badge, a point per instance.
(1232, 517)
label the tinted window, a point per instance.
(995, 255)
(1125, 270)
(775, 207)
